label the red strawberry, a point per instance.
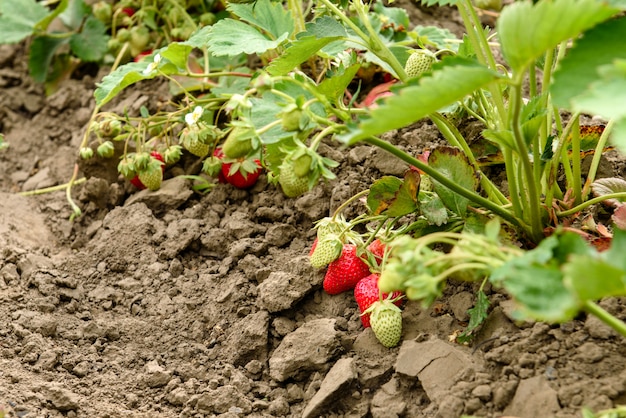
(377, 248)
(135, 181)
(241, 174)
(142, 55)
(366, 293)
(241, 178)
(345, 272)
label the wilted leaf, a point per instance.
(605, 186)
(619, 217)
(477, 314)
(394, 196)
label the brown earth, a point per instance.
(177, 304)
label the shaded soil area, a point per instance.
(178, 304)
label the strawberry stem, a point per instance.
(347, 202)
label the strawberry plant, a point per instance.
(302, 92)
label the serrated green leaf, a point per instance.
(597, 47)
(18, 19)
(434, 210)
(298, 52)
(615, 254)
(618, 136)
(453, 164)
(91, 43)
(232, 37)
(42, 50)
(127, 75)
(535, 281)
(477, 315)
(440, 38)
(591, 278)
(528, 30)
(333, 87)
(200, 38)
(177, 53)
(324, 27)
(43, 23)
(269, 16)
(416, 101)
(75, 13)
(607, 95)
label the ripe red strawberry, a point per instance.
(386, 320)
(377, 248)
(150, 174)
(243, 175)
(345, 272)
(366, 293)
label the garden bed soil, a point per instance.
(178, 304)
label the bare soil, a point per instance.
(177, 304)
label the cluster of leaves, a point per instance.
(70, 24)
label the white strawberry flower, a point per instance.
(153, 65)
(192, 118)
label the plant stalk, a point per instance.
(595, 309)
(469, 194)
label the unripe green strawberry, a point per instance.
(392, 279)
(325, 250)
(302, 165)
(106, 149)
(293, 185)
(103, 12)
(386, 322)
(419, 62)
(238, 143)
(85, 153)
(123, 35)
(152, 176)
(139, 39)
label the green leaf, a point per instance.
(127, 75)
(177, 53)
(440, 38)
(416, 101)
(324, 27)
(42, 50)
(73, 16)
(618, 136)
(591, 278)
(615, 254)
(453, 164)
(232, 37)
(334, 87)
(18, 19)
(477, 314)
(597, 47)
(527, 30)
(91, 43)
(607, 95)
(200, 38)
(298, 52)
(434, 210)
(267, 15)
(535, 281)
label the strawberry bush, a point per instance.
(446, 217)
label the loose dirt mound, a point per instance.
(176, 304)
